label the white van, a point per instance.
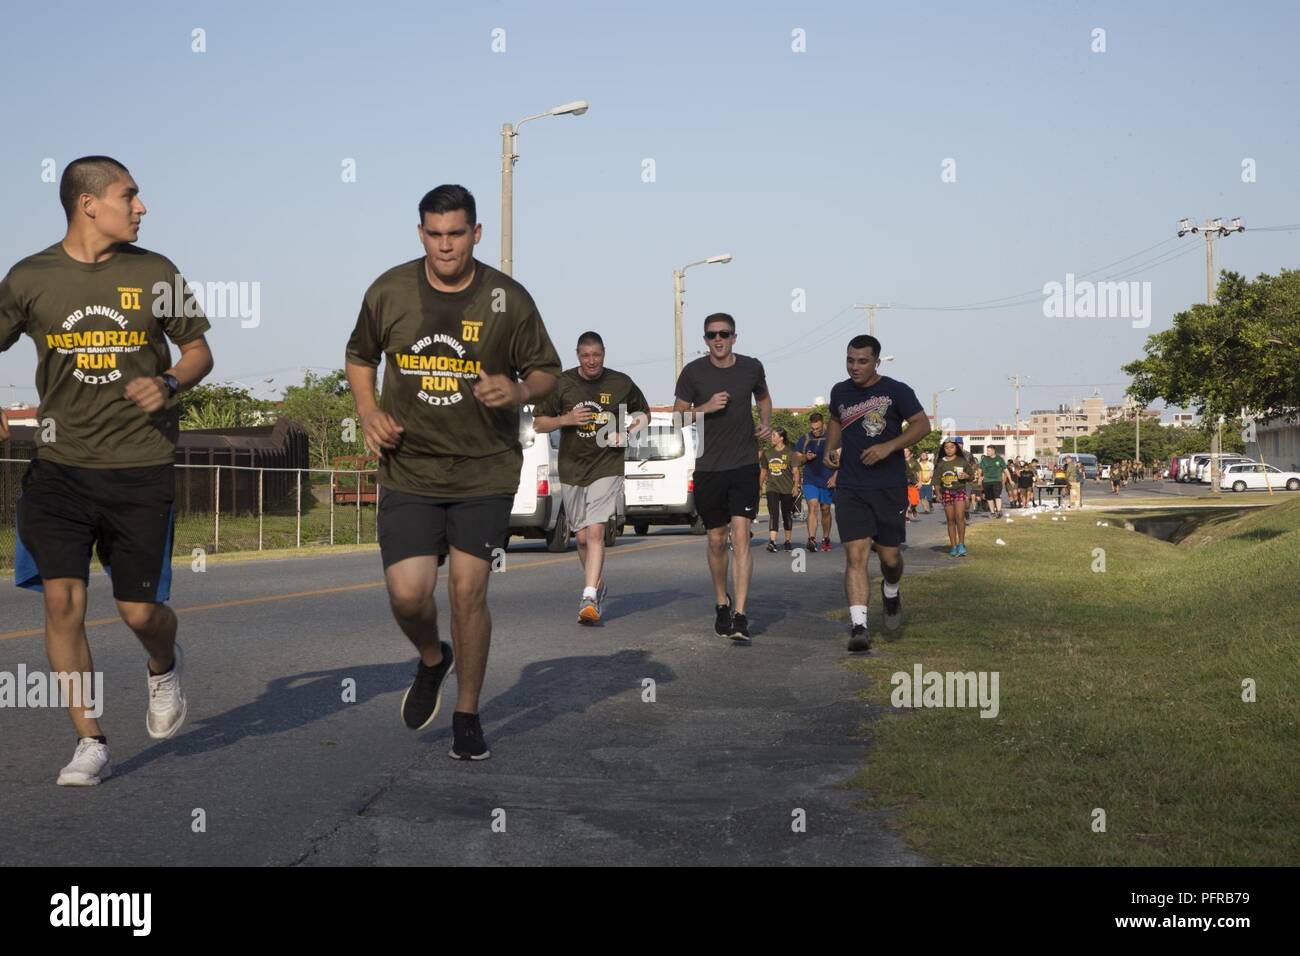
(659, 475)
(1188, 475)
(538, 509)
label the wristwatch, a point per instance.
(173, 385)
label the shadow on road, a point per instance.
(287, 703)
(545, 690)
(623, 605)
(566, 685)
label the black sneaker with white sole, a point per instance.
(469, 743)
(722, 623)
(859, 640)
(893, 609)
(740, 629)
(423, 699)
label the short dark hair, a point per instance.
(720, 317)
(590, 338)
(814, 417)
(89, 174)
(449, 198)
(866, 342)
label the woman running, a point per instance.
(779, 475)
(952, 473)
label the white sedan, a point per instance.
(1252, 477)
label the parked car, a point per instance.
(538, 509)
(1187, 467)
(1252, 476)
(1203, 469)
(1089, 462)
(659, 476)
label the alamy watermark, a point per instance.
(53, 689)
(1084, 299)
(949, 689)
(216, 300)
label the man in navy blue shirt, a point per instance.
(816, 481)
(873, 418)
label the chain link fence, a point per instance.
(223, 508)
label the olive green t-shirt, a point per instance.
(435, 344)
(953, 475)
(779, 466)
(585, 453)
(98, 326)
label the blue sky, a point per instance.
(818, 170)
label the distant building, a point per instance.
(1007, 442)
(1181, 420)
(21, 414)
(1277, 442)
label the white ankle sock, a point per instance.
(891, 590)
(858, 614)
(589, 593)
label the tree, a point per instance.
(1243, 353)
(320, 405)
(221, 406)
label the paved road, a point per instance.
(285, 772)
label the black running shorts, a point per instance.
(124, 514)
(722, 495)
(414, 525)
(878, 514)
(992, 490)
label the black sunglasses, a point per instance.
(723, 334)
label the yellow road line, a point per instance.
(341, 589)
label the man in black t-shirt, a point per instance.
(595, 408)
(873, 418)
(717, 388)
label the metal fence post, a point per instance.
(260, 472)
(332, 474)
(298, 543)
(358, 507)
(216, 513)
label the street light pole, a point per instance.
(509, 133)
(679, 294)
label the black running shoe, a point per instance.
(859, 640)
(740, 629)
(789, 546)
(469, 743)
(893, 609)
(811, 547)
(722, 625)
(771, 546)
(422, 700)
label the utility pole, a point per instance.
(1015, 381)
(871, 314)
(1212, 228)
(1137, 454)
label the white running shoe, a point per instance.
(167, 704)
(89, 765)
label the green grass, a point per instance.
(1120, 690)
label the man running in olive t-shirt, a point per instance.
(717, 388)
(455, 335)
(101, 312)
(592, 405)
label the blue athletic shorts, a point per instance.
(813, 492)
